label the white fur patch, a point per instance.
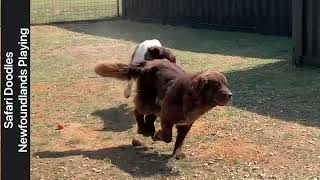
(142, 49)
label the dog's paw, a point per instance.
(180, 155)
(157, 136)
(144, 131)
(146, 134)
(161, 136)
(151, 131)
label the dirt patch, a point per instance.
(233, 149)
(197, 128)
(78, 136)
(84, 86)
(80, 131)
(41, 87)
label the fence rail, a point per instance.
(262, 16)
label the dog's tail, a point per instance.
(118, 70)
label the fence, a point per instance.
(50, 11)
(262, 16)
(306, 32)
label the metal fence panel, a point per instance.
(312, 28)
(306, 32)
(49, 11)
(263, 16)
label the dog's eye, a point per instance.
(217, 85)
(206, 87)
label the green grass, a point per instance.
(47, 11)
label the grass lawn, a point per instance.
(46, 11)
(269, 131)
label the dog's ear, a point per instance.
(154, 51)
(199, 83)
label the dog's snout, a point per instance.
(230, 95)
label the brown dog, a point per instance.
(164, 90)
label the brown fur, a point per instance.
(159, 53)
(113, 70)
(164, 90)
(150, 54)
(117, 70)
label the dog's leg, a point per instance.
(165, 133)
(142, 127)
(150, 119)
(182, 133)
(127, 90)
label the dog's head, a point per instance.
(212, 88)
(159, 53)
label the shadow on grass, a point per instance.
(280, 91)
(117, 119)
(132, 160)
(187, 39)
(277, 90)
